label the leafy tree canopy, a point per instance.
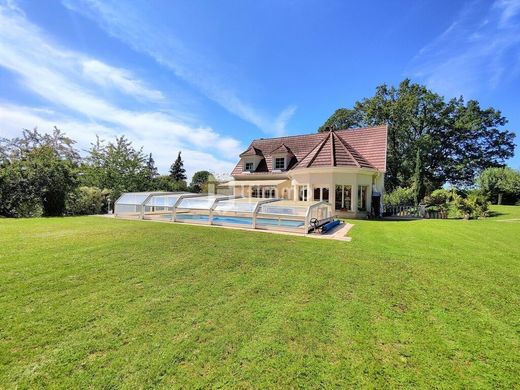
(36, 173)
(166, 183)
(500, 184)
(456, 139)
(116, 165)
(199, 181)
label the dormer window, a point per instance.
(249, 166)
(279, 163)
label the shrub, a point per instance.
(400, 196)
(472, 205)
(87, 201)
(166, 183)
(439, 200)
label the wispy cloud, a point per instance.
(65, 78)
(476, 52)
(104, 75)
(210, 76)
(15, 117)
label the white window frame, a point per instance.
(276, 160)
(249, 163)
(303, 193)
(362, 202)
(343, 204)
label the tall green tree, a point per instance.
(151, 170)
(117, 166)
(418, 185)
(177, 171)
(456, 139)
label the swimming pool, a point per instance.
(239, 220)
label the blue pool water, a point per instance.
(240, 220)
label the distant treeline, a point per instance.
(44, 175)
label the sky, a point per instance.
(207, 77)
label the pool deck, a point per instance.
(339, 233)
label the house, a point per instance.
(343, 167)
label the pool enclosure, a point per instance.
(253, 213)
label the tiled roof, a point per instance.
(281, 149)
(361, 148)
(251, 151)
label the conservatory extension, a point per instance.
(253, 213)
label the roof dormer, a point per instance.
(252, 151)
(251, 158)
(280, 158)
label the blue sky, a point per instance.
(206, 77)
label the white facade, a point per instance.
(348, 190)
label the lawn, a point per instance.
(102, 303)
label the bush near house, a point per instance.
(87, 201)
(400, 196)
(457, 203)
(470, 205)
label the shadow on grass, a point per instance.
(386, 219)
(492, 214)
(397, 219)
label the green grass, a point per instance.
(101, 303)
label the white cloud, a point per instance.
(14, 118)
(474, 52)
(103, 75)
(508, 10)
(155, 40)
(58, 76)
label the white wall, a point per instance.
(331, 178)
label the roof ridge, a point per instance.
(348, 151)
(282, 146)
(332, 154)
(348, 146)
(255, 150)
(315, 150)
(318, 150)
(311, 134)
(362, 128)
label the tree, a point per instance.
(418, 186)
(17, 148)
(199, 181)
(456, 139)
(37, 171)
(87, 201)
(343, 118)
(151, 168)
(117, 166)
(166, 183)
(177, 171)
(500, 184)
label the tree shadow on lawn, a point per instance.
(492, 214)
(405, 219)
(353, 221)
